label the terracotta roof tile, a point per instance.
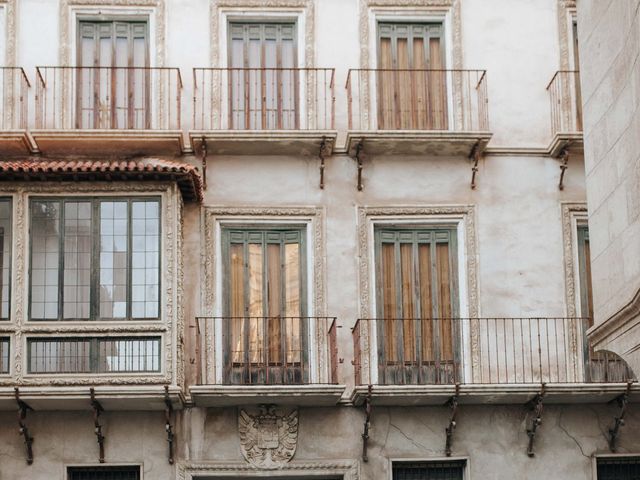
(187, 176)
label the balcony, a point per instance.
(417, 112)
(256, 360)
(126, 373)
(491, 360)
(264, 111)
(14, 90)
(108, 111)
(566, 112)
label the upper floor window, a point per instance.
(265, 300)
(618, 468)
(113, 88)
(263, 79)
(584, 273)
(5, 256)
(435, 470)
(412, 84)
(417, 286)
(95, 258)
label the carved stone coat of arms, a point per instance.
(268, 439)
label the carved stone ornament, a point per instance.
(268, 439)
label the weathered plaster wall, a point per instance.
(610, 71)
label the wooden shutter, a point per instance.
(417, 299)
(113, 98)
(265, 97)
(411, 84)
(265, 298)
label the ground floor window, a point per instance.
(103, 473)
(619, 468)
(436, 470)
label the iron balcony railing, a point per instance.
(480, 351)
(266, 350)
(566, 102)
(417, 99)
(100, 355)
(108, 98)
(264, 99)
(14, 108)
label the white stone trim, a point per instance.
(347, 469)
(211, 306)
(170, 325)
(566, 16)
(463, 217)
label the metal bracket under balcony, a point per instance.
(120, 397)
(126, 111)
(299, 395)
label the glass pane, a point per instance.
(292, 301)
(113, 259)
(77, 260)
(236, 283)
(256, 326)
(45, 251)
(4, 355)
(145, 259)
(5, 256)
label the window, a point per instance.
(584, 270)
(412, 86)
(113, 83)
(95, 259)
(265, 285)
(618, 468)
(94, 355)
(576, 66)
(103, 473)
(417, 302)
(263, 79)
(449, 470)
(5, 256)
(4, 355)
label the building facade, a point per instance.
(302, 239)
(609, 84)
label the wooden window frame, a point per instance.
(226, 230)
(113, 88)
(418, 362)
(94, 297)
(296, 83)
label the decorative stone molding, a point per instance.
(314, 215)
(268, 439)
(308, 7)
(10, 58)
(417, 213)
(170, 285)
(566, 8)
(347, 470)
(66, 43)
(569, 212)
(413, 5)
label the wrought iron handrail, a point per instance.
(565, 98)
(261, 98)
(266, 350)
(499, 350)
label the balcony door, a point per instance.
(265, 296)
(417, 302)
(263, 82)
(113, 79)
(411, 83)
